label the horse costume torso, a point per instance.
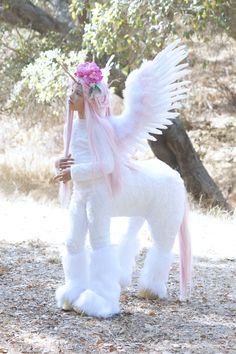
(145, 184)
(148, 190)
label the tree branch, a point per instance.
(231, 14)
(23, 13)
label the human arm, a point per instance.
(64, 162)
(63, 165)
(85, 171)
(63, 176)
(92, 170)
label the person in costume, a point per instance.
(107, 183)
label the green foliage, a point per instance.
(30, 68)
(44, 78)
(132, 30)
(137, 29)
(199, 14)
(77, 7)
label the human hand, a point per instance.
(63, 176)
(64, 162)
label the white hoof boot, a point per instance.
(92, 304)
(125, 280)
(154, 275)
(160, 292)
(101, 299)
(67, 294)
(67, 306)
(76, 278)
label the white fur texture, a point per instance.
(154, 275)
(150, 191)
(153, 192)
(85, 168)
(128, 248)
(101, 299)
(76, 277)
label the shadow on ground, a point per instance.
(30, 322)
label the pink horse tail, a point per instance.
(185, 256)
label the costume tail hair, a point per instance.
(185, 256)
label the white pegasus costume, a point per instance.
(107, 183)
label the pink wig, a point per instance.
(101, 135)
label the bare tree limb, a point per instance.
(231, 14)
(23, 13)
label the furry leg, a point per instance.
(76, 278)
(101, 299)
(128, 249)
(164, 221)
(154, 275)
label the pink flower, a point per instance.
(88, 72)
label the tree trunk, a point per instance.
(61, 11)
(175, 148)
(23, 13)
(230, 11)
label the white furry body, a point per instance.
(151, 191)
(147, 189)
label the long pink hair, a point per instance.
(101, 137)
(101, 134)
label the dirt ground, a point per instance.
(30, 271)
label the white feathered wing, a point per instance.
(151, 94)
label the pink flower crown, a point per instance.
(90, 74)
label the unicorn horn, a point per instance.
(68, 73)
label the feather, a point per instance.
(150, 137)
(151, 93)
(106, 70)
